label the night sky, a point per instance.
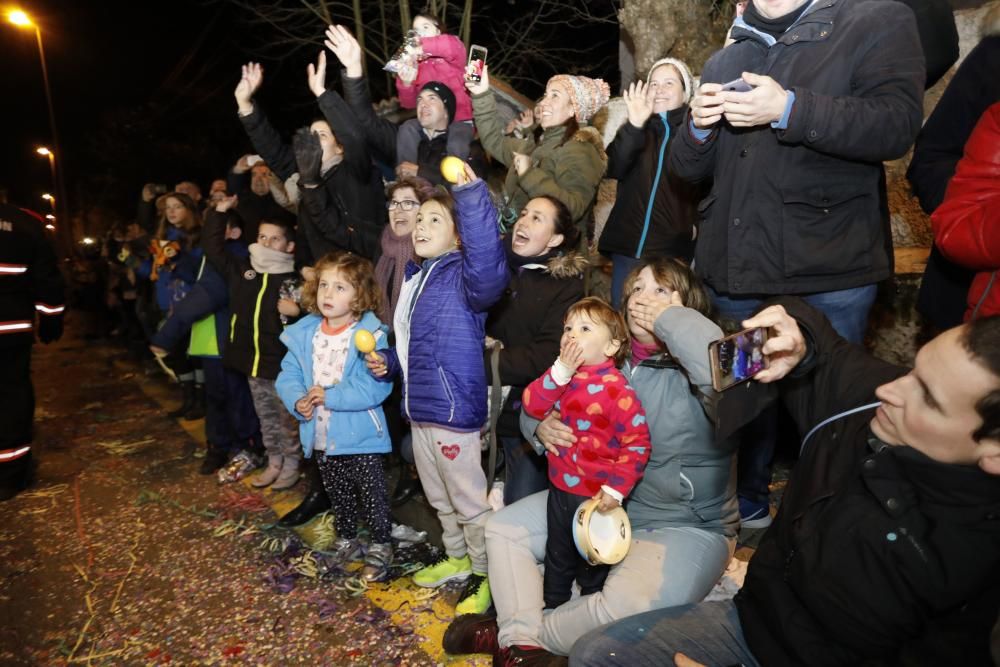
(142, 92)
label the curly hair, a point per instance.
(357, 271)
(600, 311)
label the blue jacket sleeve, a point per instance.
(391, 364)
(291, 385)
(484, 264)
(357, 392)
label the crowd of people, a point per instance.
(338, 298)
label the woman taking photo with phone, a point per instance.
(683, 511)
(567, 162)
(654, 211)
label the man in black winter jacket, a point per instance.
(834, 88)
(888, 534)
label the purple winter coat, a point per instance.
(445, 383)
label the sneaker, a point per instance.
(754, 515)
(475, 599)
(472, 633)
(377, 562)
(345, 551)
(442, 570)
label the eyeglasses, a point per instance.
(405, 204)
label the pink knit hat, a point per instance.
(587, 95)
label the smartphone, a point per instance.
(737, 86)
(737, 357)
(477, 59)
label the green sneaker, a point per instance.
(476, 598)
(442, 570)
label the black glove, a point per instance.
(308, 156)
(50, 328)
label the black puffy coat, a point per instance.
(875, 548)
(528, 320)
(798, 210)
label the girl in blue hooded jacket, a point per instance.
(440, 328)
(324, 384)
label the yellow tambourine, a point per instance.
(601, 539)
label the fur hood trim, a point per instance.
(591, 135)
(570, 265)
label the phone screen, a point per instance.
(737, 358)
(477, 59)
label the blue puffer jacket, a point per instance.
(445, 382)
(210, 295)
(358, 423)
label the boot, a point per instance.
(197, 407)
(187, 398)
(271, 472)
(315, 502)
(288, 476)
(215, 458)
(16, 476)
(406, 487)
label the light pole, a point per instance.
(22, 20)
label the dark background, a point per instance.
(142, 93)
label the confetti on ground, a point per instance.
(123, 554)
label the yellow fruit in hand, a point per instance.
(451, 168)
(364, 341)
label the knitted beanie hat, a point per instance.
(446, 95)
(684, 72)
(587, 95)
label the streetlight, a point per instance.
(22, 20)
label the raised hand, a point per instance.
(308, 156)
(645, 310)
(227, 203)
(340, 40)
(571, 355)
(785, 346)
(467, 175)
(481, 86)
(639, 103)
(316, 75)
(251, 79)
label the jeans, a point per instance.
(708, 632)
(621, 266)
(847, 311)
(526, 471)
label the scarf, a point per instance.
(641, 351)
(390, 269)
(266, 260)
(776, 26)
